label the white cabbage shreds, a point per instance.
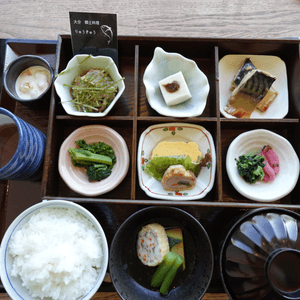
(57, 254)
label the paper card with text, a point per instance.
(94, 33)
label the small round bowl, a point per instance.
(13, 285)
(15, 68)
(260, 256)
(131, 278)
(165, 64)
(76, 178)
(78, 64)
(252, 142)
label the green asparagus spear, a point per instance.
(163, 269)
(171, 275)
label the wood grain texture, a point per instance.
(181, 18)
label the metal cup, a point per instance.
(22, 148)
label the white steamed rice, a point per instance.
(57, 254)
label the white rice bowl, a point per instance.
(53, 250)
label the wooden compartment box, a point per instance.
(132, 115)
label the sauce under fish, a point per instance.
(247, 95)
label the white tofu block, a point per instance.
(177, 82)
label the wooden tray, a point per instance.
(132, 115)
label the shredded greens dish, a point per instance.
(97, 158)
(93, 90)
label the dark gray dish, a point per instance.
(131, 278)
(260, 257)
(16, 67)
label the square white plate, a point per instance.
(229, 66)
(176, 132)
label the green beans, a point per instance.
(164, 289)
(166, 272)
(163, 269)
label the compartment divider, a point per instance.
(218, 178)
(134, 124)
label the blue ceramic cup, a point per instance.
(22, 148)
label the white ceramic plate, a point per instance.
(229, 66)
(165, 64)
(176, 132)
(76, 177)
(252, 142)
(76, 66)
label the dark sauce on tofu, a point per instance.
(172, 87)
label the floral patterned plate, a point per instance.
(176, 132)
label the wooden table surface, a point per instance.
(35, 19)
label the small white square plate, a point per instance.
(176, 132)
(229, 66)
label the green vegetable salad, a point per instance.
(250, 167)
(97, 158)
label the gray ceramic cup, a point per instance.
(13, 71)
(22, 148)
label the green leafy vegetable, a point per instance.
(97, 172)
(97, 158)
(158, 165)
(250, 167)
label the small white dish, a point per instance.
(165, 64)
(176, 132)
(252, 142)
(14, 285)
(229, 66)
(78, 64)
(76, 178)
